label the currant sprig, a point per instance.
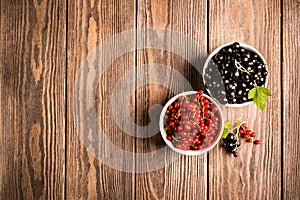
(231, 136)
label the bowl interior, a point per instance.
(190, 152)
(246, 46)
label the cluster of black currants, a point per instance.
(239, 71)
(231, 144)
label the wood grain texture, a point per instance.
(291, 96)
(32, 104)
(91, 23)
(185, 178)
(43, 45)
(256, 173)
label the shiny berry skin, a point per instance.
(172, 123)
(241, 131)
(257, 142)
(252, 134)
(244, 126)
(235, 154)
(169, 137)
(238, 143)
(230, 137)
(246, 136)
(249, 140)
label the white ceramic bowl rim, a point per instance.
(246, 46)
(189, 152)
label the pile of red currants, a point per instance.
(191, 122)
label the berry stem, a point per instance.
(194, 122)
(175, 138)
(240, 67)
(166, 129)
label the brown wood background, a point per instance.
(43, 44)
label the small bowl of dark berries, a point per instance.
(236, 74)
(191, 123)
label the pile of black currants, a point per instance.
(233, 72)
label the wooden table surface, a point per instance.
(43, 45)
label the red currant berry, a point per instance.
(183, 134)
(241, 131)
(246, 136)
(244, 126)
(207, 112)
(252, 134)
(207, 106)
(249, 140)
(257, 142)
(169, 137)
(201, 98)
(206, 101)
(215, 109)
(200, 92)
(172, 123)
(187, 128)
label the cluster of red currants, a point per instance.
(247, 134)
(192, 122)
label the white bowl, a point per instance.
(247, 47)
(189, 152)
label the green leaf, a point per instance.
(259, 95)
(260, 103)
(225, 133)
(227, 127)
(252, 93)
(264, 90)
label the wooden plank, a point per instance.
(185, 178)
(32, 104)
(291, 96)
(91, 23)
(256, 173)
